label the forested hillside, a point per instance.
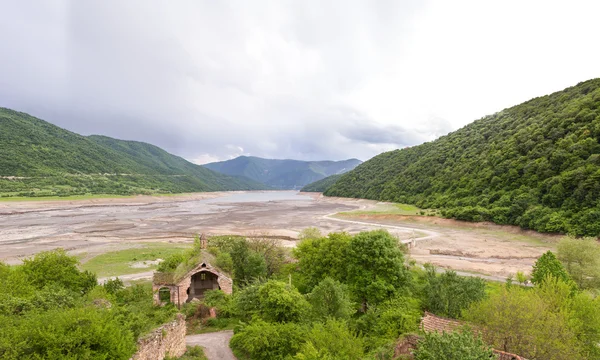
(536, 165)
(282, 174)
(321, 185)
(40, 159)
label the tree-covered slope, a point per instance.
(48, 160)
(536, 165)
(282, 174)
(322, 185)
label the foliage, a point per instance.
(534, 323)
(52, 161)
(461, 345)
(69, 316)
(281, 174)
(280, 302)
(192, 353)
(581, 258)
(331, 340)
(248, 265)
(170, 263)
(310, 233)
(391, 319)
(535, 165)
(56, 267)
(449, 294)
(375, 266)
(547, 265)
(322, 185)
(320, 258)
(261, 340)
(329, 299)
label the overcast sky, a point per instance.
(211, 80)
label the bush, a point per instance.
(267, 341)
(452, 346)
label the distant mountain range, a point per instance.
(41, 159)
(282, 174)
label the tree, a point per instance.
(581, 258)
(375, 266)
(56, 267)
(261, 340)
(330, 299)
(281, 302)
(390, 319)
(546, 265)
(247, 264)
(523, 321)
(449, 294)
(321, 258)
(310, 233)
(461, 345)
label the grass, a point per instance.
(389, 209)
(192, 353)
(117, 263)
(75, 197)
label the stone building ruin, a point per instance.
(169, 287)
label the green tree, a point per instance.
(523, 321)
(281, 302)
(247, 264)
(448, 294)
(261, 340)
(581, 258)
(375, 266)
(461, 345)
(546, 265)
(321, 258)
(330, 299)
(331, 340)
(56, 267)
(390, 319)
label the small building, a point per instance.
(179, 289)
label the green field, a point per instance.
(117, 263)
(390, 209)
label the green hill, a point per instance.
(322, 185)
(536, 165)
(282, 174)
(47, 160)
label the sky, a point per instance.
(306, 79)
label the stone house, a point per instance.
(169, 287)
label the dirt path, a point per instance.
(216, 345)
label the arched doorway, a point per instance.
(200, 282)
(164, 295)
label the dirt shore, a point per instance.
(97, 226)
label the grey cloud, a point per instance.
(214, 79)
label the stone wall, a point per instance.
(169, 339)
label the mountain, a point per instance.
(282, 174)
(48, 160)
(536, 165)
(322, 185)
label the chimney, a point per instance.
(203, 241)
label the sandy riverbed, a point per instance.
(100, 225)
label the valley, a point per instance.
(90, 227)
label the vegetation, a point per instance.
(548, 265)
(41, 159)
(282, 174)
(581, 258)
(549, 321)
(536, 165)
(115, 263)
(321, 185)
(51, 310)
(461, 345)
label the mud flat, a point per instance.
(97, 226)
